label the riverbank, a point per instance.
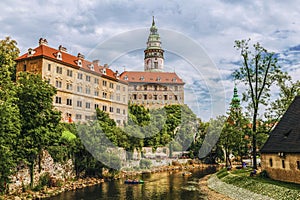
(237, 184)
(73, 185)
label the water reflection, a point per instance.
(157, 186)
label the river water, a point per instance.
(162, 186)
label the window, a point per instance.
(58, 70)
(134, 96)
(166, 88)
(118, 97)
(176, 88)
(69, 102)
(155, 97)
(79, 76)
(155, 87)
(58, 84)
(24, 68)
(165, 97)
(118, 122)
(69, 73)
(124, 112)
(49, 67)
(88, 105)
(175, 97)
(79, 88)
(118, 87)
(124, 89)
(118, 110)
(271, 162)
(298, 164)
(104, 83)
(135, 87)
(78, 116)
(142, 78)
(145, 87)
(96, 92)
(69, 86)
(124, 99)
(111, 109)
(96, 106)
(155, 65)
(88, 78)
(145, 96)
(112, 96)
(104, 108)
(96, 81)
(111, 85)
(283, 164)
(58, 100)
(79, 104)
(104, 94)
(88, 90)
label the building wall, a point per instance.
(156, 95)
(282, 167)
(80, 91)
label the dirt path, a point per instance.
(211, 194)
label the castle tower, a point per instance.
(154, 54)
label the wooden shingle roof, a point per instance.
(286, 135)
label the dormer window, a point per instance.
(142, 78)
(30, 52)
(104, 71)
(91, 66)
(126, 77)
(174, 79)
(158, 78)
(79, 63)
(59, 56)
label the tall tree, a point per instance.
(39, 119)
(9, 112)
(259, 71)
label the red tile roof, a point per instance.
(151, 77)
(68, 59)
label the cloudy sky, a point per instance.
(198, 36)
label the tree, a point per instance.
(39, 119)
(288, 90)
(259, 71)
(9, 113)
(8, 53)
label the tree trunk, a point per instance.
(254, 139)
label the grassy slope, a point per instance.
(260, 185)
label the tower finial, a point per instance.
(153, 22)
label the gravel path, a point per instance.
(232, 191)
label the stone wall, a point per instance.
(57, 171)
(281, 167)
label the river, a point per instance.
(162, 186)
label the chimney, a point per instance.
(63, 49)
(105, 65)
(30, 52)
(43, 41)
(81, 56)
(96, 62)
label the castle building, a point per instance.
(154, 88)
(82, 86)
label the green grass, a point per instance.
(222, 173)
(260, 185)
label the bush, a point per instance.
(45, 180)
(264, 174)
(145, 164)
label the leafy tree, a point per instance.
(288, 90)
(8, 53)
(259, 71)
(39, 120)
(9, 113)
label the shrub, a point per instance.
(264, 174)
